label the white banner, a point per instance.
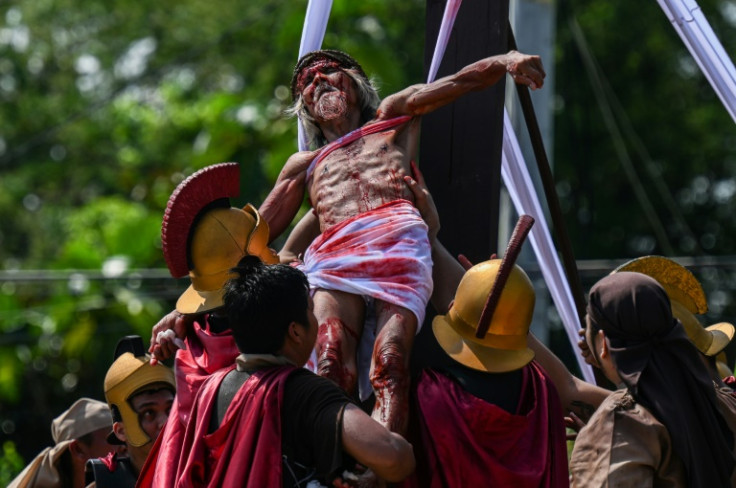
(313, 33)
(695, 31)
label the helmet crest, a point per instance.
(188, 199)
(523, 226)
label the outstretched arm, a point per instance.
(576, 395)
(284, 200)
(421, 99)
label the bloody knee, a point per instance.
(332, 362)
(390, 365)
(390, 381)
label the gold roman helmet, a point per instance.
(132, 373)
(687, 298)
(220, 240)
(204, 237)
(487, 325)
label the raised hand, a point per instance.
(168, 334)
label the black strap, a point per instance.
(96, 471)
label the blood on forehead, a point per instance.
(307, 73)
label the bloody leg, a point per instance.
(390, 365)
(340, 317)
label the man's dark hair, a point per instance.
(261, 301)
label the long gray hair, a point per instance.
(367, 97)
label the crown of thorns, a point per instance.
(344, 59)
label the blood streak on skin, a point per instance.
(330, 353)
(310, 71)
(396, 183)
(390, 378)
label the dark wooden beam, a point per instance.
(460, 148)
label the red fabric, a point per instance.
(110, 461)
(206, 354)
(466, 441)
(246, 449)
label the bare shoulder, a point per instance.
(398, 103)
(297, 164)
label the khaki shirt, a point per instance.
(727, 407)
(624, 446)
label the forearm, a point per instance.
(575, 394)
(305, 231)
(474, 77)
(421, 99)
(386, 453)
(446, 274)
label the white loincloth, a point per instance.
(383, 254)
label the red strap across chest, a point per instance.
(365, 130)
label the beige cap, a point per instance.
(83, 417)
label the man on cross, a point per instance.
(373, 254)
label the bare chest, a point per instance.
(366, 157)
(359, 177)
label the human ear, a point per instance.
(295, 334)
(77, 450)
(119, 429)
(603, 348)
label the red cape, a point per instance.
(466, 441)
(246, 449)
(206, 354)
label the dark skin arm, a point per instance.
(385, 453)
(421, 99)
(284, 200)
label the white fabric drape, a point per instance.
(448, 20)
(698, 36)
(519, 184)
(313, 33)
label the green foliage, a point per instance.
(674, 129)
(10, 463)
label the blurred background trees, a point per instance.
(105, 106)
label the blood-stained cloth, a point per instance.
(383, 253)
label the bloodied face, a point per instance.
(327, 91)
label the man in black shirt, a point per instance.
(283, 424)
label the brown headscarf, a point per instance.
(663, 372)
